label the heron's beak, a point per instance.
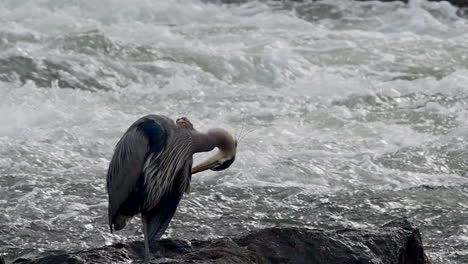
(210, 163)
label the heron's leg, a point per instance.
(145, 233)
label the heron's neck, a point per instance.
(204, 142)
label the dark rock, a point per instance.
(44, 72)
(463, 12)
(458, 3)
(395, 242)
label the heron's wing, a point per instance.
(157, 219)
(127, 163)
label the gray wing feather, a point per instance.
(158, 218)
(125, 168)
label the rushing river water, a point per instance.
(354, 114)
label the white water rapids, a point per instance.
(356, 113)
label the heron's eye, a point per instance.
(224, 165)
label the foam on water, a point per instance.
(356, 112)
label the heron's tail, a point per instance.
(119, 222)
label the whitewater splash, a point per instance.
(357, 112)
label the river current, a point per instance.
(349, 114)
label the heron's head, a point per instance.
(224, 157)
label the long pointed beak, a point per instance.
(207, 164)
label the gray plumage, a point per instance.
(151, 169)
(134, 160)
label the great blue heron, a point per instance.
(151, 169)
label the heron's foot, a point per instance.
(157, 261)
(184, 122)
(153, 256)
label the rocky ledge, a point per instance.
(458, 3)
(395, 242)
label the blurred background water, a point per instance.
(355, 113)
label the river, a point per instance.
(349, 114)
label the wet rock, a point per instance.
(44, 72)
(463, 12)
(458, 3)
(395, 242)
